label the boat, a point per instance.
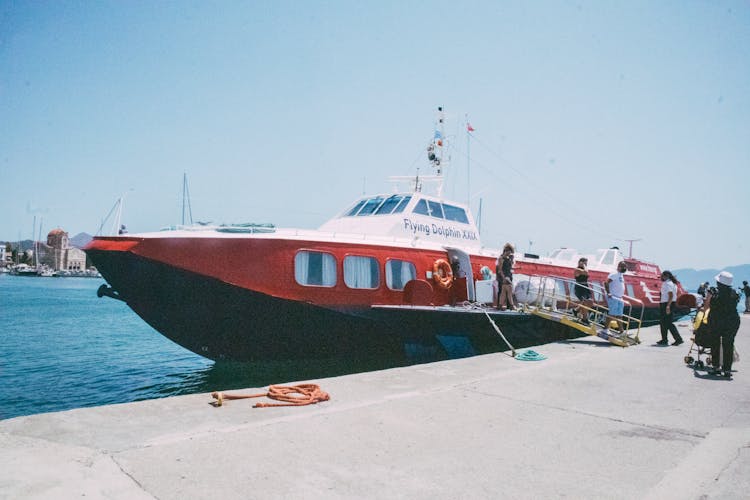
(24, 270)
(374, 281)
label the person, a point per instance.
(615, 288)
(582, 290)
(504, 271)
(703, 289)
(666, 309)
(457, 275)
(746, 291)
(723, 323)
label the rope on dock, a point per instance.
(308, 394)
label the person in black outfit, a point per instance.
(723, 323)
(666, 309)
(504, 271)
(582, 290)
(746, 291)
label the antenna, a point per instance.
(186, 196)
(630, 245)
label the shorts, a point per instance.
(582, 293)
(616, 306)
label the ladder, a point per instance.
(549, 297)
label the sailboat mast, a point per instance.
(33, 239)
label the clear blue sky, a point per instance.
(595, 120)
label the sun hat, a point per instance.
(725, 278)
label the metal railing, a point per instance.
(555, 295)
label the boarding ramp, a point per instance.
(551, 298)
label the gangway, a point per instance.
(550, 298)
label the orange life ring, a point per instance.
(442, 273)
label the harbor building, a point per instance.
(59, 254)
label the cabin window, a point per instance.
(389, 204)
(370, 206)
(361, 272)
(422, 208)
(630, 292)
(355, 208)
(436, 209)
(402, 205)
(609, 258)
(315, 269)
(455, 213)
(398, 273)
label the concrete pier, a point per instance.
(591, 421)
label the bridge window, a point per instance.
(436, 209)
(370, 206)
(398, 273)
(402, 205)
(455, 213)
(361, 272)
(422, 208)
(390, 204)
(315, 269)
(356, 208)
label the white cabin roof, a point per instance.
(413, 216)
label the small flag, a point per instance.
(469, 127)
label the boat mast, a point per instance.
(186, 197)
(36, 243)
(33, 239)
(436, 151)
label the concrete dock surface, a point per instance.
(591, 421)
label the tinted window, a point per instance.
(455, 213)
(315, 269)
(370, 206)
(389, 204)
(361, 272)
(402, 205)
(436, 209)
(356, 208)
(421, 208)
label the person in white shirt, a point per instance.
(666, 308)
(615, 287)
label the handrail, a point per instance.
(549, 298)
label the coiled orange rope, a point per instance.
(308, 394)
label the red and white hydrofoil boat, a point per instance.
(372, 282)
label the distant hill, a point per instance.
(80, 240)
(692, 278)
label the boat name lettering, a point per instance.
(448, 232)
(648, 269)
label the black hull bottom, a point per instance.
(223, 322)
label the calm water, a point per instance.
(61, 347)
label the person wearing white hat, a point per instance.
(723, 323)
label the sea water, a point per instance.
(62, 347)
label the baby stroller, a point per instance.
(700, 342)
